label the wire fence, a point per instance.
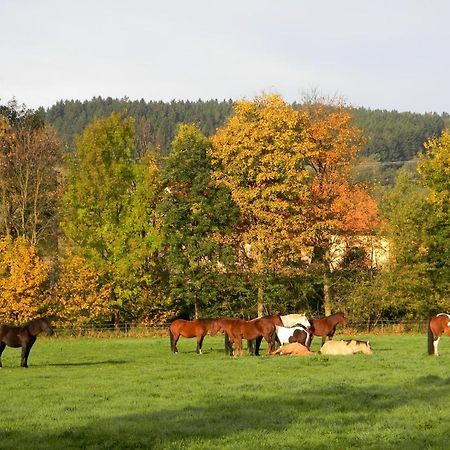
(129, 329)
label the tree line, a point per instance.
(241, 220)
(390, 135)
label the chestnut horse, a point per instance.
(326, 327)
(238, 329)
(436, 326)
(23, 336)
(192, 328)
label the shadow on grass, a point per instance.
(351, 416)
(87, 363)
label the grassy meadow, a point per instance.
(128, 393)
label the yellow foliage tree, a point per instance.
(261, 155)
(81, 295)
(23, 279)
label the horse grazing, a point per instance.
(23, 336)
(299, 334)
(197, 328)
(326, 327)
(436, 326)
(294, 348)
(346, 347)
(256, 329)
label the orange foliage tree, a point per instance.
(289, 173)
(23, 281)
(339, 208)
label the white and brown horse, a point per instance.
(437, 325)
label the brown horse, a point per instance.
(436, 326)
(255, 329)
(197, 328)
(23, 336)
(326, 327)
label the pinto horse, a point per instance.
(197, 328)
(23, 336)
(289, 320)
(326, 327)
(436, 326)
(300, 334)
(256, 329)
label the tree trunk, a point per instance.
(327, 296)
(260, 301)
(196, 309)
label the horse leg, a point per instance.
(238, 347)
(175, 338)
(435, 345)
(258, 345)
(251, 346)
(26, 351)
(2, 347)
(199, 344)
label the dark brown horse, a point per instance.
(197, 328)
(326, 327)
(255, 329)
(23, 336)
(436, 326)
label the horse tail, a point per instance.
(430, 339)
(171, 339)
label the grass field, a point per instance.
(133, 393)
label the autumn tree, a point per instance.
(434, 169)
(81, 295)
(261, 156)
(30, 158)
(24, 280)
(338, 208)
(193, 211)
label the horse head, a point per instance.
(45, 326)
(367, 349)
(340, 318)
(215, 327)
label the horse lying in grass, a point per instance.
(346, 347)
(197, 328)
(294, 348)
(23, 336)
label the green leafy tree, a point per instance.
(193, 212)
(107, 207)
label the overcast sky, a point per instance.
(374, 53)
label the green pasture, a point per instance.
(125, 393)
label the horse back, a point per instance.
(185, 328)
(12, 335)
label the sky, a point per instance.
(373, 53)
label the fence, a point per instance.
(130, 329)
